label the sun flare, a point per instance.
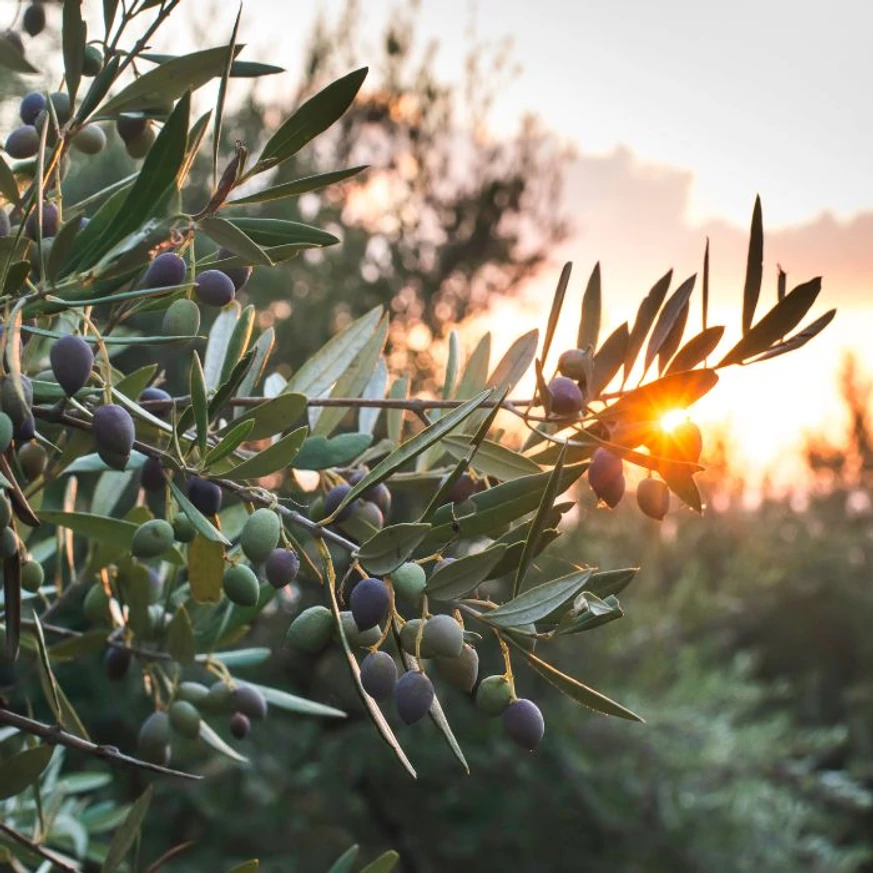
(672, 419)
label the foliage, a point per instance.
(160, 530)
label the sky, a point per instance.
(680, 112)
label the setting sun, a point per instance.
(672, 419)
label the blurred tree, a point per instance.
(445, 217)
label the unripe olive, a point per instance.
(238, 275)
(214, 288)
(369, 602)
(152, 538)
(358, 638)
(493, 695)
(183, 530)
(185, 719)
(413, 696)
(90, 140)
(9, 542)
(241, 585)
(334, 497)
(653, 498)
(460, 672)
(606, 476)
(114, 434)
(32, 576)
(92, 63)
(574, 364)
(205, 495)
(33, 20)
(442, 637)
(152, 475)
(6, 429)
(379, 675)
(193, 692)
(33, 459)
(524, 723)
(282, 567)
(311, 630)
(409, 581)
(249, 701)
(139, 146)
(240, 726)
(22, 142)
(158, 402)
(409, 636)
(566, 396)
(96, 605)
(117, 663)
(31, 105)
(153, 743)
(72, 360)
(260, 535)
(219, 699)
(182, 318)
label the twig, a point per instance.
(38, 850)
(54, 734)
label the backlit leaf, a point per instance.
(754, 267)
(458, 578)
(278, 456)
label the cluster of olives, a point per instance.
(373, 505)
(437, 640)
(193, 701)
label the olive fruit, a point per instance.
(205, 495)
(358, 638)
(165, 271)
(22, 142)
(183, 530)
(249, 701)
(114, 434)
(214, 288)
(524, 723)
(131, 127)
(50, 220)
(369, 602)
(413, 696)
(260, 535)
(33, 20)
(282, 567)
(311, 630)
(464, 487)
(219, 698)
(96, 605)
(32, 576)
(92, 62)
(574, 364)
(493, 695)
(153, 743)
(443, 637)
(653, 498)
(379, 675)
(334, 497)
(5, 511)
(33, 459)
(152, 476)
(193, 692)
(139, 146)
(409, 581)
(184, 719)
(378, 494)
(240, 726)
(241, 585)
(182, 318)
(460, 672)
(152, 538)
(62, 106)
(370, 515)
(157, 401)
(117, 663)
(90, 140)
(409, 638)
(565, 396)
(6, 431)
(238, 275)
(9, 542)
(72, 361)
(606, 476)
(31, 105)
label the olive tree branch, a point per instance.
(37, 849)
